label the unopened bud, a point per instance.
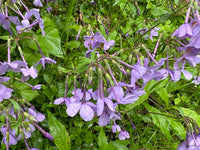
(109, 79)
(90, 74)
(47, 135)
(100, 73)
(130, 58)
(30, 117)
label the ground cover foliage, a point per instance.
(104, 74)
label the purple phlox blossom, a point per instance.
(93, 3)
(4, 79)
(44, 60)
(87, 108)
(62, 100)
(101, 103)
(184, 31)
(38, 116)
(12, 136)
(5, 93)
(24, 24)
(28, 72)
(196, 80)
(177, 70)
(108, 44)
(123, 135)
(37, 3)
(49, 9)
(35, 12)
(5, 21)
(93, 41)
(190, 54)
(96, 40)
(153, 72)
(15, 66)
(37, 87)
(153, 32)
(116, 128)
(142, 31)
(78, 95)
(192, 142)
(106, 116)
(28, 130)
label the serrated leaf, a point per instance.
(159, 120)
(190, 113)
(60, 134)
(119, 146)
(51, 41)
(119, 1)
(162, 92)
(102, 140)
(29, 94)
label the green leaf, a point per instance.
(60, 134)
(166, 123)
(162, 92)
(29, 94)
(190, 113)
(159, 120)
(119, 146)
(15, 104)
(119, 1)
(51, 41)
(102, 140)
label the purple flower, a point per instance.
(5, 93)
(123, 135)
(192, 142)
(25, 23)
(93, 3)
(62, 100)
(12, 136)
(108, 44)
(5, 21)
(153, 32)
(35, 12)
(86, 111)
(28, 131)
(116, 128)
(184, 31)
(44, 60)
(142, 31)
(37, 87)
(196, 80)
(38, 116)
(93, 41)
(37, 3)
(102, 102)
(28, 72)
(15, 66)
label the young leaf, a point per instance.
(60, 134)
(102, 140)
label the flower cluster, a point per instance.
(30, 118)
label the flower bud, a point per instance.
(90, 74)
(100, 73)
(30, 117)
(110, 80)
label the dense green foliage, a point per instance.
(162, 116)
